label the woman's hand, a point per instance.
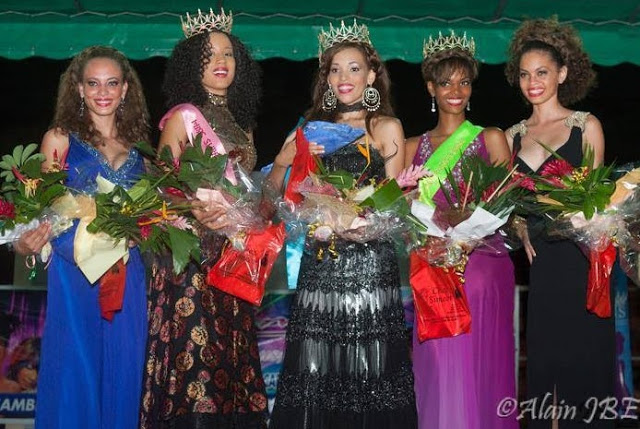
(288, 151)
(520, 226)
(211, 215)
(32, 242)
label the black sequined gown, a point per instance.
(569, 350)
(346, 363)
(203, 367)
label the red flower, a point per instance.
(557, 167)
(555, 181)
(145, 231)
(524, 181)
(175, 192)
(7, 210)
(462, 186)
(489, 191)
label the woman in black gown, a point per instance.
(570, 352)
(347, 362)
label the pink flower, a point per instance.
(181, 222)
(145, 231)
(523, 181)
(7, 210)
(557, 167)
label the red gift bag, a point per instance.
(244, 273)
(440, 303)
(599, 283)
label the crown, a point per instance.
(203, 22)
(344, 33)
(444, 43)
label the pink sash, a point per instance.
(194, 124)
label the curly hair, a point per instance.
(132, 123)
(320, 86)
(185, 70)
(563, 44)
(440, 66)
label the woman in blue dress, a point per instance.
(91, 367)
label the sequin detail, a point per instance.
(347, 355)
(340, 393)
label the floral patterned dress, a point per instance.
(203, 367)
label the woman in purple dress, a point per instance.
(460, 381)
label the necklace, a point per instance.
(217, 100)
(345, 108)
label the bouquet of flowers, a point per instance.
(338, 204)
(28, 193)
(475, 205)
(199, 174)
(140, 215)
(585, 204)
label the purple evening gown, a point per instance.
(460, 381)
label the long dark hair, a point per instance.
(320, 86)
(132, 122)
(185, 69)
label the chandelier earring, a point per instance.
(371, 99)
(329, 100)
(433, 104)
(469, 106)
(81, 110)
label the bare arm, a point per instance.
(174, 135)
(283, 160)
(594, 138)
(497, 145)
(410, 149)
(389, 134)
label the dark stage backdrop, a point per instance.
(28, 88)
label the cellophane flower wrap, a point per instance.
(329, 205)
(253, 240)
(586, 205)
(474, 208)
(28, 193)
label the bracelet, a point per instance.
(30, 262)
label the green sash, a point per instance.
(445, 158)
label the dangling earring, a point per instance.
(469, 106)
(371, 98)
(121, 107)
(81, 111)
(433, 104)
(329, 100)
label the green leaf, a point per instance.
(17, 153)
(146, 149)
(139, 189)
(32, 168)
(26, 153)
(184, 246)
(385, 197)
(9, 160)
(341, 179)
